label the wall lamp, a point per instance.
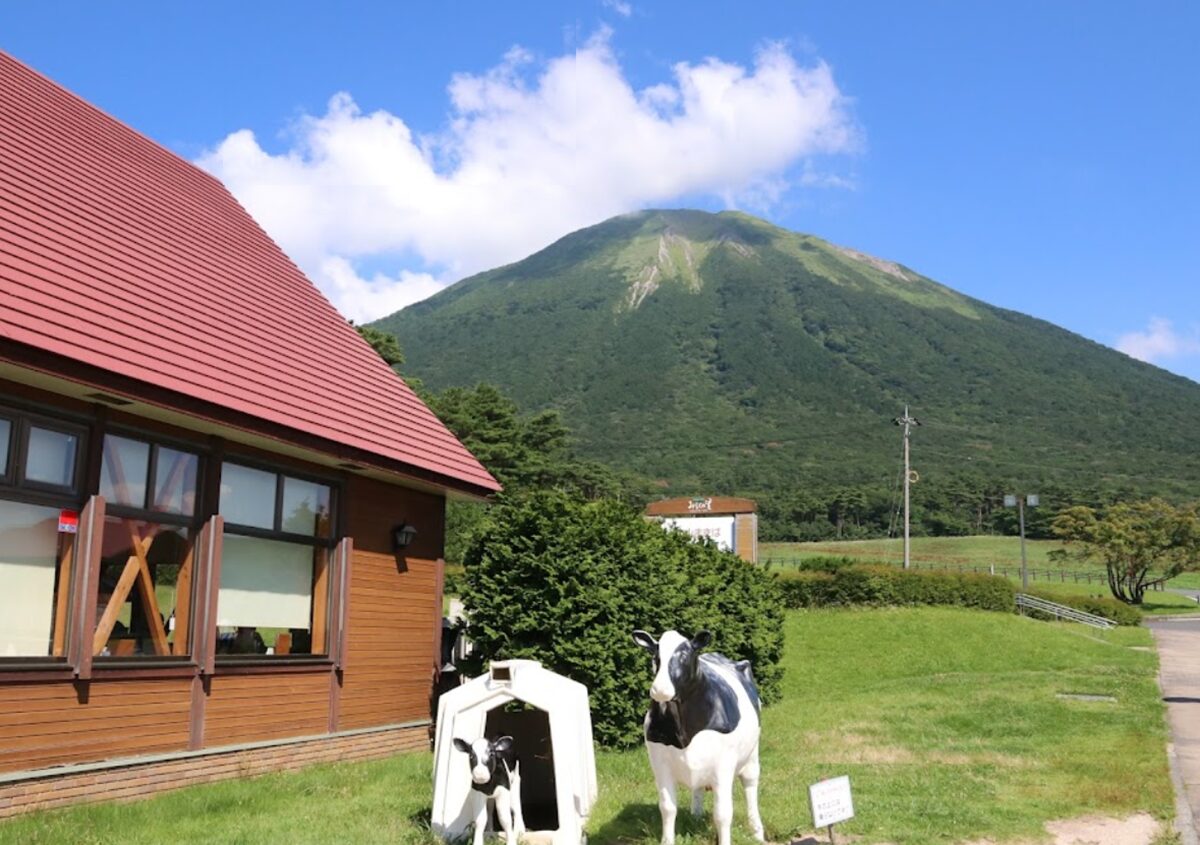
(402, 535)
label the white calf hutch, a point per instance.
(548, 718)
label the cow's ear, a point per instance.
(462, 745)
(701, 640)
(646, 641)
(503, 745)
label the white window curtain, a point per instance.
(28, 552)
(265, 583)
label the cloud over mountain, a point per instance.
(1160, 341)
(380, 215)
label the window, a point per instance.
(31, 557)
(144, 597)
(5, 442)
(51, 457)
(39, 468)
(274, 591)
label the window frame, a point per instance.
(277, 533)
(328, 544)
(14, 487)
(193, 524)
(145, 514)
(13, 483)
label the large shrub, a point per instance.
(566, 582)
(883, 585)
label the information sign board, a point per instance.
(831, 801)
(719, 529)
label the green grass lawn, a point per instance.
(948, 722)
(951, 552)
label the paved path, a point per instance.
(1178, 643)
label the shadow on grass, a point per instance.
(642, 823)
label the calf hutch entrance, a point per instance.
(548, 718)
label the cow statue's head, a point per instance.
(675, 659)
(485, 755)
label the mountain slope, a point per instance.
(719, 353)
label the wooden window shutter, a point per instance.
(340, 602)
(83, 589)
(208, 582)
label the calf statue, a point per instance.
(495, 776)
(702, 729)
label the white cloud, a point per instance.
(362, 299)
(1160, 341)
(619, 6)
(531, 151)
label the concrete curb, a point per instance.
(1185, 822)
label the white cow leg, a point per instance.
(481, 815)
(667, 806)
(698, 801)
(749, 776)
(518, 813)
(504, 812)
(723, 808)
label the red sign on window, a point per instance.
(68, 522)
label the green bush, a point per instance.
(1104, 606)
(879, 586)
(825, 563)
(565, 582)
(452, 584)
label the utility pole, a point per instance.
(907, 422)
(1024, 560)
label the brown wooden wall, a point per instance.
(745, 526)
(251, 708)
(394, 614)
(45, 723)
(390, 659)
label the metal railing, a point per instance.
(1027, 602)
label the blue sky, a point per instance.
(1040, 156)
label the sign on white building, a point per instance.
(719, 529)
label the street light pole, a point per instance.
(1019, 503)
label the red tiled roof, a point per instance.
(116, 253)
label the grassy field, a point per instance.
(947, 721)
(960, 551)
(951, 552)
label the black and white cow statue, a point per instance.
(495, 776)
(702, 729)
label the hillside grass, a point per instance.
(947, 722)
(955, 552)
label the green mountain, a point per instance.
(717, 353)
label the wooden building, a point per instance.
(221, 514)
(729, 521)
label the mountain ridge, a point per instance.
(720, 353)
